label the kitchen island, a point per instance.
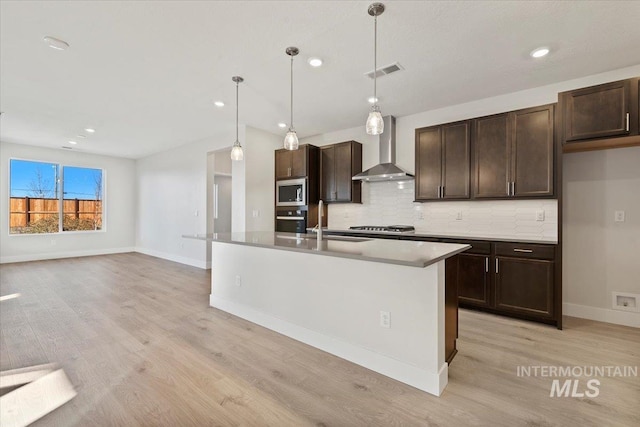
(377, 303)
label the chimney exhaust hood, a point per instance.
(386, 170)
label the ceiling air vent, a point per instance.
(387, 69)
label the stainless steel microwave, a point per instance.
(291, 192)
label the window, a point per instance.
(42, 193)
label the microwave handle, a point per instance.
(291, 218)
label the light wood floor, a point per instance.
(139, 342)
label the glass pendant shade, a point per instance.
(236, 151)
(291, 140)
(375, 124)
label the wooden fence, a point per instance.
(25, 211)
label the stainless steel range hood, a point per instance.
(386, 170)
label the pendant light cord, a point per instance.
(291, 127)
(237, 83)
(375, 60)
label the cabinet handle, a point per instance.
(486, 264)
(627, 122)
(527, 251)
(289, 171)
(513, 188)
(497, 265)
(508, 188)
(442, 193)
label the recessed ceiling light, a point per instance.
(55, 43)
(90, 130)
(81, 136)
(539, 52)
(282, 125)
(315, 62)
(373, 100)
(219, 104)
(72, 142)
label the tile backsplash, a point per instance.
(389, 203)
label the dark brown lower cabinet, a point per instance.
(512, 279)
(524, 286)
(450, 309)
(474, 280)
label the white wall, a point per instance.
(172, 187)
(600, 255)
(575, 271)
(259, 179)
(119, 210)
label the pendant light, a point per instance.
(375, 125)
(236, 151)
(291, 140)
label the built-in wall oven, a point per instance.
(291, 192)
(291, 220)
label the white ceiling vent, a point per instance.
(387, 69)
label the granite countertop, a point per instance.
(419, 235)
(400, 252)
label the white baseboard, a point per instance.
(624, 318)
(171, 257)
(431, 382)
(63, 254)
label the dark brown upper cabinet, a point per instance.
(514, 154)
(294, 164)
(602, 116)
(492, 154)
(443, 162)
(338, 164)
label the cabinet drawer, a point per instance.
(525, 250)
(481, 248)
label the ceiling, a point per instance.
(145, 74)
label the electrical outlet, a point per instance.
(196, 213)
(53, 242)
(385, 319)
(619, 216)
(420, 215)
(238, 281)
(458, 216)
(256, 213)
(540, 215)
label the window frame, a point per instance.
(60, 199)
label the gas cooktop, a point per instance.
(385, 228)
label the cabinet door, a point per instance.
(455, 160)
(342, 169)
(327, 174)
(428, 163)
(524, 286)
(597, 111)
(532, 151)
(474, 280)
(492, 153)
(283, 164)
(299, 162)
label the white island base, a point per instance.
(335, 304)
